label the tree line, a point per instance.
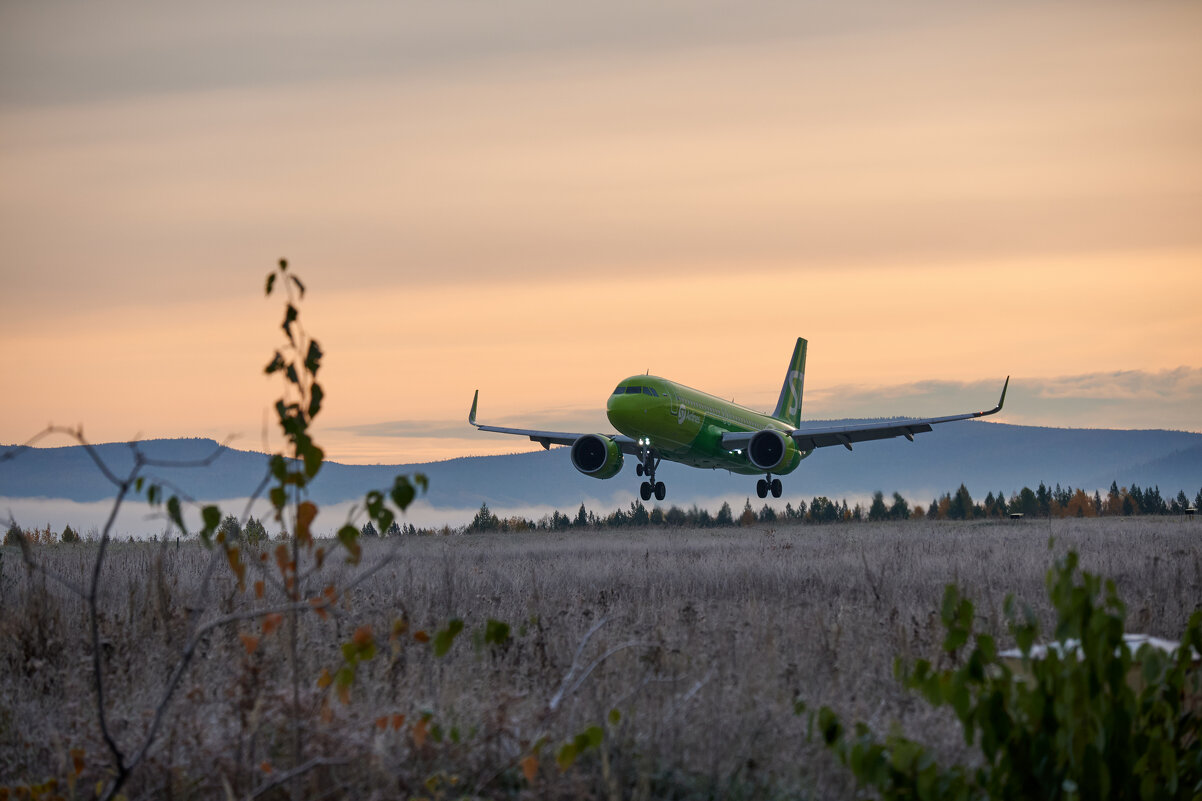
(1058, 502)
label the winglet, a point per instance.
(1000, 401)
(471, 416)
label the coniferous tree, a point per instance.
(1114, 500)
(725, 516)
(877, 510)
(1044, 497)
(961, 506)
(1137, 498)
(900, 510)
(748, 515)
(484, 520)
(582, 516)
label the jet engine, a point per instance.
(596, 456)
(770, 449)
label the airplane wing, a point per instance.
(547, 438)
(810, 438)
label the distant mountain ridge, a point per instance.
(986, 457)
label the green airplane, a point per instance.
(660, 419)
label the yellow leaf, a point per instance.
(397, 722)
(421, 636)
(249, 642)
(344, 693)
(363, 636)
(325, 679)
(77, 760)
(272, 622)
(259, 587)
(420, 730)
(281, 560)
(530, 768)
(382, 722)
(265, 766)
(304, 518)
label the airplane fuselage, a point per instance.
(687, 425)
(660, 419)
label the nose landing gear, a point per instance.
(766, 485)
(647, 468)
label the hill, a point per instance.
(984, 456)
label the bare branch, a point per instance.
(559, 694)
(299, 770)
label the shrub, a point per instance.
(1089, 719)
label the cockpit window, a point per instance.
(650, 391)
(620, 391)
(634, 390)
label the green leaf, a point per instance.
(277, 363)
(566, 756)
(444, 638)
(496, 632)
(290, 316)
(313, 457)
(374, 500)
(615, 716)
(176, 514)
(315, 399)
(347, 535)
(313, 357)
(345, 676)
(593, 736)
(402, 493)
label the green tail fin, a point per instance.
(788, 408)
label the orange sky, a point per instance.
(539, 201)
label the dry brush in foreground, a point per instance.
(700, 640)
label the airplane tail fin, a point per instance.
(788, 408)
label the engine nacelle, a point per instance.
(770, 449)
(596, 456)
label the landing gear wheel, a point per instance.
(638, 469)
(645, 490)
(660, 490)
(775, 487)
(761, 488)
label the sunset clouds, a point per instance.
(538, 199)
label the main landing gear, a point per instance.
(766, 485)
(647, 468)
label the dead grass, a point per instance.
(711, 634)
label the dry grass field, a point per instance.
(702, 640)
